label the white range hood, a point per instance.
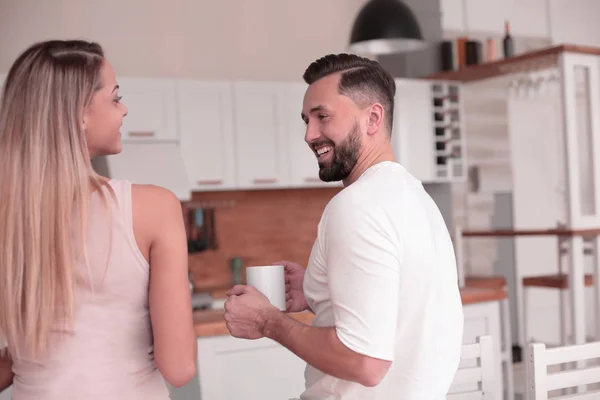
(156, 163)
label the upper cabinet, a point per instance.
(486, 15)
(223, 135)
(304, 168)
(206, 133)
(260, 127)
(452, 15)
(428, 135)
(152, 109)
(527, 18)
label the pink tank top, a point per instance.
(109, 355)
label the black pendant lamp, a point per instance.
(385, 27)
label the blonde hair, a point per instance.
(46, 181)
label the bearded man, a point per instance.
(381, 278)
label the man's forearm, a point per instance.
(319, 347)
(6, 374)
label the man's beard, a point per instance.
(345, 156)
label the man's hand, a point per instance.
(294, 290)
(246, 312)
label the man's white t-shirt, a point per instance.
(382, 271)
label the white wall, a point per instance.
(471, 16)
(252, 39)
(575, 22)
(563, 21)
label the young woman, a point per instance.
(94, 292)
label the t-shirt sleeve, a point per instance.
(363, 271)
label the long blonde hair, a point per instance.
(46, 180)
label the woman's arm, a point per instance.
(6, 374)
(158, 212)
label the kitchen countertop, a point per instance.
(211, 323)
(473, 295)
(208, 323)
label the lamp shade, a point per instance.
(385, 27)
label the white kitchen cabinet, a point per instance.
(260, 133)
(303, 165)
(486, 15)
(428, 135)
(152, 108)
(234, 369)
(205, 116)
(527, 18)
(249, 135)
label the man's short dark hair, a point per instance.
(364, 81)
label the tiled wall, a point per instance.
(261, 227)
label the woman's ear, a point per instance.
(376, 114)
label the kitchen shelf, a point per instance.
(531, 61)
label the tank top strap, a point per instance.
(122, 189)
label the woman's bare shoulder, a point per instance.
(154, 199)
(154, 210)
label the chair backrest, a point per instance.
(475, 378)
(540, 382)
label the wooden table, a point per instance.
(576, 280)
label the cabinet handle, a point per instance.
(265, 180)
(141, 134)
(312, 180)
(210, 182)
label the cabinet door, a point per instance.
(152, 109)
(487, 15)
(233, 369)
(412, 136)
(261, 145)
(452, 15)
(206, 133)
(304, 168)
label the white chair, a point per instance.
(490, 282)
(540, 382)
(475, 382)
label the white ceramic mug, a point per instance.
(270, 281)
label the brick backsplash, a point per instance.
(261, 227)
